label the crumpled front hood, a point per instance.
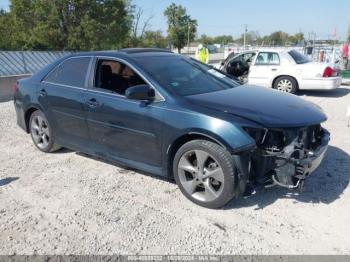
(265, 106)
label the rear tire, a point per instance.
(205, 173)
(286, 84)
(41, 133)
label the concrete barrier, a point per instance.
(6, 86)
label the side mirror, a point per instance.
(140, 92)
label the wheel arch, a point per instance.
(278, 76)
(240, 156)
(190, 135)
(27, 114)
(183, 139)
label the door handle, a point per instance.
(42, 92)
(92, 103)
(274, 69)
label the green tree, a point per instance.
(154, 39)
(70, 24)
(299, 37)
(223, 39)
(180, 26)
(278, 38)
(206, 40)
(296, 39)
(252, 38)
(139, 26)
(23, 22)
(6, 32)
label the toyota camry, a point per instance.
(169, 115)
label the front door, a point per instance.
(120, 128)
(238, 66)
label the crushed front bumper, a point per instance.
(294, 170)
(315, 157)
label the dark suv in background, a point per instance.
(172, 116)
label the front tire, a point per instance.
(41, 132)
(205, 173)
(286, 84)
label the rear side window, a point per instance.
(71, 72)
(298, 57)
(267, 58)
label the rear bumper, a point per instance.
(20, 115)
(323, 83)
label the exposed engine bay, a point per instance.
(285, 157)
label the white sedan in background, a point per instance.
(286, 71)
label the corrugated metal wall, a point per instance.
(26, 62)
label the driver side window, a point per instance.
(115, 76)
(246, 58)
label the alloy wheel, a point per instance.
(40, 132)
(201, 175)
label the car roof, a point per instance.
(271, 50)
(144, 50)
(131, 52)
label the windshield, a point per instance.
(298, 57)
(185, 76)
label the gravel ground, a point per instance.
(69, 203)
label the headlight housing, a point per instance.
(267, 139)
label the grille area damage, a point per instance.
(285, 157)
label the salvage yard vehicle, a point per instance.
(287, 71)
(169, 115)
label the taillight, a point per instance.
(329, 72)
(14, 88)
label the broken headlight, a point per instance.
(267, 139)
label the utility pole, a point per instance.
(313, 38)
(245, 35)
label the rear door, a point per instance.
(265, 67)
(120, 128)
(62, 95)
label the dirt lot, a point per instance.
(68, 203)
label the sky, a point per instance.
(265, 16)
